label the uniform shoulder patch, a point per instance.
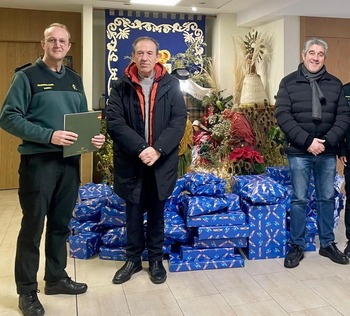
(22, 67)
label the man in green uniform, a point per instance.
(33, 110)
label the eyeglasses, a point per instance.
(61, 42)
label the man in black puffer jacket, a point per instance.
(314, 115)
(344, 157)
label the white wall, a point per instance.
(284, 36)
(87, 52)
(99, 47)
(291, 47)
(224, 28)
(285, 52)
(284, 57)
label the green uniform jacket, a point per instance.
(36, 103)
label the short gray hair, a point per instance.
(145, 38)
(315, 41)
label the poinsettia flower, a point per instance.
(257, 157)
(236, 154)
(247, 154)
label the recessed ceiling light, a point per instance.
(194, 9)
(156, 2)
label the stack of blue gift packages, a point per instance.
(205, 227)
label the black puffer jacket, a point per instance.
(293, 112)
(345, 145)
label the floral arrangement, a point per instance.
(226, 140)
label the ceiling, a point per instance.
(249, 12)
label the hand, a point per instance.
(63, 138)
(343, 160)
(98, 140)
(317, 146)
(149, 156)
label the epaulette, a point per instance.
(70, 68)
(22, 67)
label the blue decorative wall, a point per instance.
(174, 33)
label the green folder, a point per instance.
(86, 125)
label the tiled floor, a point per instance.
(263, 287)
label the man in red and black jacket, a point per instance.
(146, 119)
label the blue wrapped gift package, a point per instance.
(256, 251)
(201, 183)
(77, 227)
(225, 218)
(84, 245)
(262, 217)
(94, 190)
(221, 232)
(89, 210)
(119, 253)
(174, 225)
(201, 205)
(268, 230)
(238, 182)
(188, 253)
(263, 191)
(115, 237)
(281, 174)
(108, 253)
(111, 216)
(233, 202)
(239, 242)
(178, 265)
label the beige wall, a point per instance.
(20, 35)
(224, 28)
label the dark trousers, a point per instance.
(150, 203)
(347, 193)
(48, 187)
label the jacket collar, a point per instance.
(131, 72)
(301, 78)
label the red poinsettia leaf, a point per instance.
(236, 154)
(259, 159)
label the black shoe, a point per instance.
(294, 256)
(126, 271)
(157, 272)
(65, 286)
(30, 305)
(333, 253)
(347, 250)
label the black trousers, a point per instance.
(48, 187)
(347, 193)
(150, 203)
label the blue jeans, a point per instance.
(324, 170)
